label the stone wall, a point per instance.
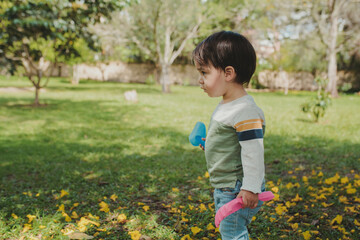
(188, 75)
(300, 80)
(134, 72)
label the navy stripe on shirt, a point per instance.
(250, 134)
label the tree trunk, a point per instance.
(332, 65)
(76, 75)
(165, 78)
(36, 101)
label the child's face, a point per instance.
(212, 80)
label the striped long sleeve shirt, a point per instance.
(234, 145)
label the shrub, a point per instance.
(317, 106)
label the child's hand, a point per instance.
(201, 146)
(250, 199)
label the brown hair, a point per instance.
(227, 48)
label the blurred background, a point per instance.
(150, 41)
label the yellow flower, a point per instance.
(289, 185)
(14, 216)
(74, 215)
(210, 227)
(202, 207)
(63, 193)
(357, 223)
(320, 174)
(135, 235)
(61, 208)
(343, 199)
(275, 189)
(113, 197)
(121, 218)
(175, 189)
(191, 207)
(276, 197)
(326, 205)
(104, 207)
(297, 198)
(210, 206)
(67, 218)
(195, 230)
(186, 237)
(337, 219)
(305, 179)
(184, 219)
(84, 222)
(357, 183)
(350, 209)
(294, 226)
(146, 208)
(26, 228)
(30, 217)
(344, 180)
(207, 175)
(350, 190)
(332, 180)
(93, 217)
(42, 226)
(280, 209)
(306, 235)
(190, 198)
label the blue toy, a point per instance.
(197, 133)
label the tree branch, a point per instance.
(320, 23)
(191, 34)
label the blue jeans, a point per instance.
(233, 227)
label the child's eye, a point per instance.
(203, 73)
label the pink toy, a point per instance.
(235, 205)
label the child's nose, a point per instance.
(201, 80)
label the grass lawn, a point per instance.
(90, 164)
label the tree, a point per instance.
(159, 29)
(337, 24)
(33, 33)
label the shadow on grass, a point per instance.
(283, 154)
(94, 150)
(89, 172)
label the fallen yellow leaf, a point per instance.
(135, 235)
(195, 230)
(63, 193)
(104, 207)
(337, 219)
(113, 197)
(121, 218)
(30, 217)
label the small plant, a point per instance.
(317, 106)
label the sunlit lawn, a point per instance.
(90, 164)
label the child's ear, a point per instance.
(230, 73)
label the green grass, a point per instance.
(91, 143)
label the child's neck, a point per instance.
(234, 92)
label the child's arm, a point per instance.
(250, 136)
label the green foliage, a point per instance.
(50, 28)
(318, 105)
